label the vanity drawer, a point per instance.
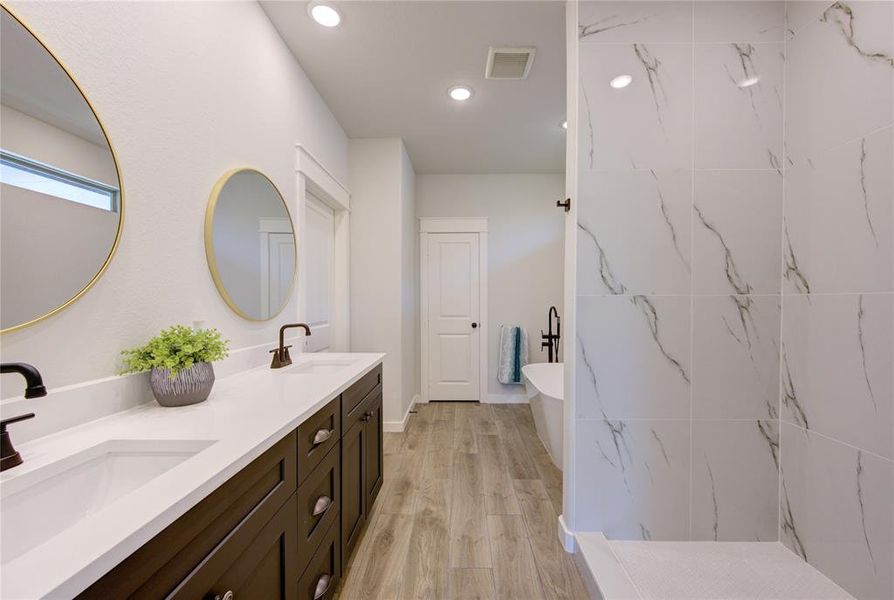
(319, 503)
(355, 394)
(361, 410)
(320, 579)
(316, 437)
(238, 508)
(253, 562)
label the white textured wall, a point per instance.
(186, 91)
(525, 248)
(381, 317)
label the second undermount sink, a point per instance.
(40, 504)
(319, 364)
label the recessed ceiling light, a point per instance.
(748, 82)
(621, 81)
(460, 93)
(324, 14)
(564, 124)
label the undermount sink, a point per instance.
(315, 365)
(40, 504)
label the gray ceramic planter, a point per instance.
(190, 386)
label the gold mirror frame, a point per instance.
(209, 242)
(105, 134)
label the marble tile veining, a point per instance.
(724, 21)
(837, 511)
(635, 226)
(838, 215)
(738, 106)
(622, 21)
(852, 94)
(838, 355)
(736, 229)
(646, 125)
(735, 480)
(646, 465)
(634, 354)
(736, 357)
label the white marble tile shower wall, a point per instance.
(680, 267)
(838, 307)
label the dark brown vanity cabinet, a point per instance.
(362, 459)
(276, 529)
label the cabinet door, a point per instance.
(374, 457)
(353, 491)
(264, 567)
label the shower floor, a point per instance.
(701, 570)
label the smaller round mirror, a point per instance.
(250, 244)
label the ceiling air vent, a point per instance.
(509, 63)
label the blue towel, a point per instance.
(513, 354)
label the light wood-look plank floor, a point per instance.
(468, 510)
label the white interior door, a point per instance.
(454, 304)
(282, 269)
(277, 252)
(319, 222)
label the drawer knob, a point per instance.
(322, 505)
(321, 436)
(228, 596)
(322, 586)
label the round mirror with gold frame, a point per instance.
(250, 244)
(61, 199)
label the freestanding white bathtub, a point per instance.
(548, 379)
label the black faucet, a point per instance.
(9, 457)
(551, 340)
(34, 387)
(281, 356)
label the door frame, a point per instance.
(266, 226)
(434, 225)
(314, 177)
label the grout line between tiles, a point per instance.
(692, 268)
(782, 231)
(840, 442)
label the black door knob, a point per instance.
(474, 325)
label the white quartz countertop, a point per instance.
(245, 415)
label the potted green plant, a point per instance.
(180, 360)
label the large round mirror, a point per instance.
(61, 205)
(250, 244)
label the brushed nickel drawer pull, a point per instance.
(322, 586)
(321, 436)
(322, 505)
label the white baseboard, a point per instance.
(399, 426)
(522, 398)
(566, 536)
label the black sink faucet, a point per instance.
(34, 387)
(281, 356)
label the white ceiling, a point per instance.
(386, 70)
